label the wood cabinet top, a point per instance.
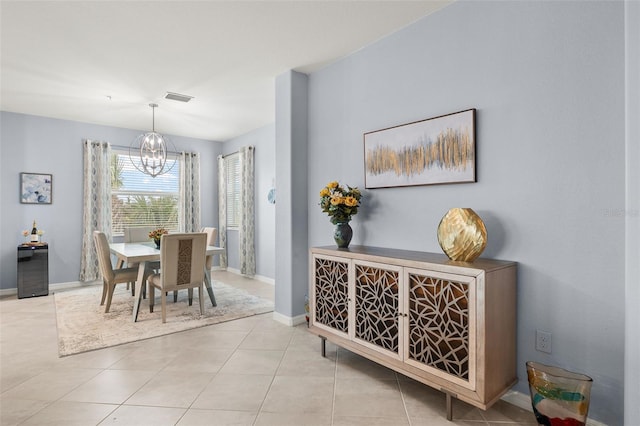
(408, 257)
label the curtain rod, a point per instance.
(250, 147)
(128, 147)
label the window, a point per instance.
(138, 199)
(233, 190)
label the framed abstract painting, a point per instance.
(433, 151)
(36, 188)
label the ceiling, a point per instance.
(103, 62)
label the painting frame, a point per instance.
(36, 188)
(433, 151)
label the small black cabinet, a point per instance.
(33, 270)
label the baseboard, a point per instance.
(6, 292)
(290, 321)
(52, 287)
(73, 284)
(264, 279)
(518, 399)
(255, 277)
(523, 401)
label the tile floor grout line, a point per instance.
(404, 402)
(273, 378)
(335, 384)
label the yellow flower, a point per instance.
(351, 201)
(340, 203)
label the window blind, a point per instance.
(233, 190)
(138, 199)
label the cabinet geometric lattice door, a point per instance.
(441, 325)
(449, 325)
(377, 302)
(331, 298)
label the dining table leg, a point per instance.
(138, 292)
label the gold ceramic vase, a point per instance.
(462, 234)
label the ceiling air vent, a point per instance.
(178, 97)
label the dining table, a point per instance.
(142, 253)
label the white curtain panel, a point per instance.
(246, 235)
(222, 209)
(189, 205)
(97, 204)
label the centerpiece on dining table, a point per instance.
(340, 204)
(157, 234)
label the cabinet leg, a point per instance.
(449, 406)
(323, 346)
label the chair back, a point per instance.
(212, 234)
(104, 255)
(182, 257)
(137, 234)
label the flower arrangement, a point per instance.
(156, 234)
(339, 203)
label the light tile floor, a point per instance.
(252, 371)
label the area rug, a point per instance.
(83, 325)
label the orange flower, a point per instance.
(351, 201)
(336, 199)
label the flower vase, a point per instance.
(157, 241)
(342, 234)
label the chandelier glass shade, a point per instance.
(149, 152)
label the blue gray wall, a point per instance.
(632, 213)
(547, 79)
(291, 208)
(45, 145)
(263, 139)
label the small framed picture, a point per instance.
(36, 188)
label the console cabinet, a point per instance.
(450, 325)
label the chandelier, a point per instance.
(149, 152)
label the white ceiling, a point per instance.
(103, 62)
